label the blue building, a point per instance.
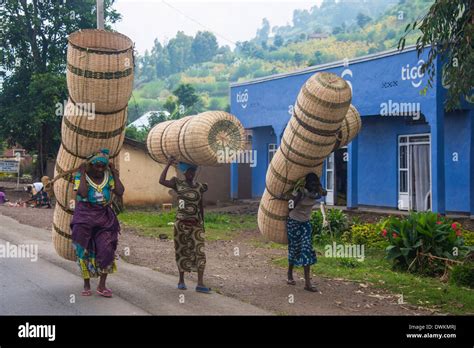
(409, 155)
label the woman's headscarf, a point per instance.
(101, 156)
(184, 167)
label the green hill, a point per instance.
(332, 32)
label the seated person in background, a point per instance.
(3, 198)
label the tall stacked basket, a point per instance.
(323, 121)
(100, 82)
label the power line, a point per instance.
(198, 23)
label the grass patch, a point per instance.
(416, 290)
(218, 226)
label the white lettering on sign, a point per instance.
(413, 74)
(9, 166)
(243, 98)
(347, 72)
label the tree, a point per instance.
(264, 31)
(32, 62)
(299, 58)
(448, 29)
(278, 41)
(186, 95)
(204, 46)
(362, 20)
(180, 52)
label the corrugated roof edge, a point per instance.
(325, 66)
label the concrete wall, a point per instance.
(218, 181)
(140, 176)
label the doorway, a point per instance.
(336, 177)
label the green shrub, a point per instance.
(338, 224)
(366, 234)
(414, 238)
(463, 275)
(468, 237)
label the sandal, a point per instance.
(105, 292)
(311, 289)
(182, 286)
(203, 289)
(86, 292)
(291, 282)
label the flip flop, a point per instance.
(182, 286)
(105, 292)
(291, 282)
(86, 292)
(203, 289)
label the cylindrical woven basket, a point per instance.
(351, 126)
(62, 239)
(309, 138)
(83, 133)
(210, 134)
(273, 214)
(210, 138)
(154, 142)
(100, 69)
(170, 138)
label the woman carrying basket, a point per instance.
(94, 225)
(189, 224)
(300, 246)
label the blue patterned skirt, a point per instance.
(300, 246)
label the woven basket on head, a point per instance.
(210, 138)
(83, 133)
(309, 138)
(350, 128)
(170, 138)
(100, 69)
(154, 142)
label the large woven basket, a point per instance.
(210, 138)
(350, 128)
(62, 240)
(100, 69)
(309, 138)
(83, 133)
(273, 214)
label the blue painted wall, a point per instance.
(262, 136)
(458, 139)
(265, 105)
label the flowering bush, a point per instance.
(366, 234)
(423, 242)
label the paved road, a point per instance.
(50, 285)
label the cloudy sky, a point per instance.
(229, 20)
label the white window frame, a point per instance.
(408, 169)
(272, 149)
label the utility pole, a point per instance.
(100, 14)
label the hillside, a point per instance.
(315, 37)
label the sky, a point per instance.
(229, 20)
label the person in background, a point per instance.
(94, 225)
(3, 197)
(189, 224)
(300, 236)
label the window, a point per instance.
(272, 148)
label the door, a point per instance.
(414, 173)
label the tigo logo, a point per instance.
(413, 73)
(243, 98)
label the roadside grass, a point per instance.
(377, 271)
(218, 226)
